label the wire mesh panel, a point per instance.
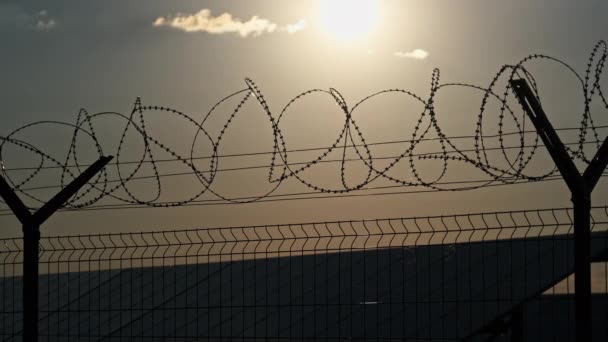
(475, 276)
(11, 288)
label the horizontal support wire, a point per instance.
(501, 150)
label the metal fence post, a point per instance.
(581, 186)
(582, 265)
(31, 237)
(517, 325)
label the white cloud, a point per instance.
(19, 18)
(44, 22)
(415, 54)
(41, 21)
(293, 28)
(204, 21)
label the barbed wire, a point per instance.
(501, 164)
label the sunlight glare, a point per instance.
(348, 19)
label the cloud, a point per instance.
(415, 54)
(43, 21)
(204, 21)
(293, 28)
(19, 18)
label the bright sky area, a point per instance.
(61, 56)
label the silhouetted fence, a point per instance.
(500, 152)
(474, 276)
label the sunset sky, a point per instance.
(60, 56)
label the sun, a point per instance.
(348, 20)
